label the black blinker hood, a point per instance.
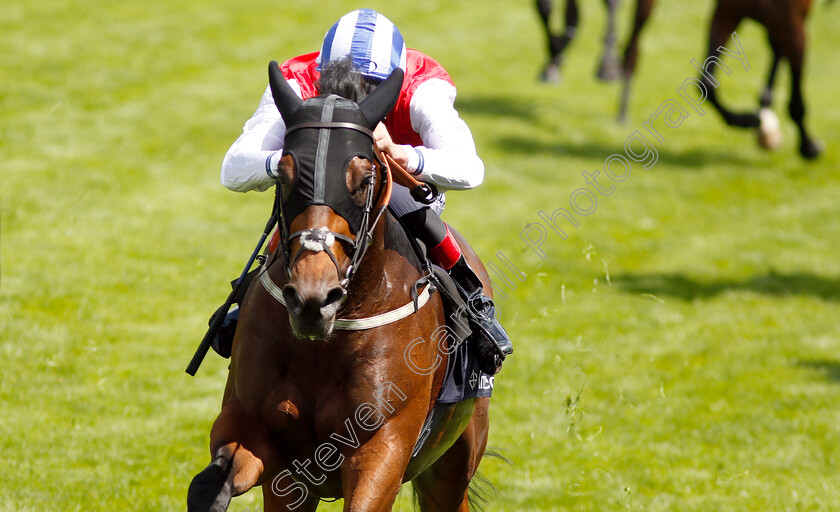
(322, 154)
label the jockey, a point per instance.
(423, 133)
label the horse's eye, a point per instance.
(359, 178)
(366, 181)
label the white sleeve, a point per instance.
(448, 152)
(251, 162)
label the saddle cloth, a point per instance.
(463, 378)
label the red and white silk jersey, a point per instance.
(424, 118)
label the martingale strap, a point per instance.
(359, 324)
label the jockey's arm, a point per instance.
(448, 152)
(251, 161)
(449, 158)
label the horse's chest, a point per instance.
(313, 442)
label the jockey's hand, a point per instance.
(384, 143)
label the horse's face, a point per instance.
(315, 292)
(328, 183)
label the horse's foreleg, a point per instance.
(808, 147)
(631, 54)
(544, 7)
(238, 462)
(371, 477)
(233, 471)
(444, 486)
(769, 131)
(610, 68)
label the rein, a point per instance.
(421, 192)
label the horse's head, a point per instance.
(329, 185)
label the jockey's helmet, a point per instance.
(370, 39)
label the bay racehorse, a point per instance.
(339, 354)
(609, 68)
(785, 24)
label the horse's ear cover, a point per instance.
(382, 99)
(284, 97)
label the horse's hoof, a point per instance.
(551, 74)
(769, 131)
(621, 118)
(810, 149)
(210, 490)
(609, 70)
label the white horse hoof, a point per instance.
(769, 131)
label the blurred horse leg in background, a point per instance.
(724, 22)
(557, 43)
(769, 130)
(788, 35)
(631, 54)
(446, 483)
(609, 66)
(784, 21)
(785, 24)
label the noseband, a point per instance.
(322, 239)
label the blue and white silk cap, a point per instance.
(372, 40)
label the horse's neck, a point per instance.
(398, 239)
(389, 266)
(390, 248)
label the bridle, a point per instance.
(322, 239)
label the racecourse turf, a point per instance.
(679, 350)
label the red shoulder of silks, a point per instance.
(419, 68)
(302, 70)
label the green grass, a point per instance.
(680, 350)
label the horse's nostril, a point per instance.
(292, 298)
(337, 294)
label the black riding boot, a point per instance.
(489, 338)
(223, 340)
